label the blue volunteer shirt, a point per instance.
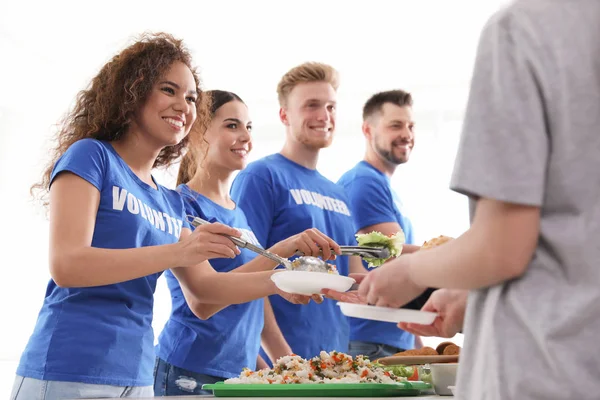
(103, 334)
(373, 201)
(230, 340)
(281, 199)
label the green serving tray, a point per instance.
(413, 388)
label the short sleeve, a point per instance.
(370, 202)
(85, 158)
(254, 194)
(504, 149)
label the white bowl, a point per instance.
(443, 377)
(452, 389)
(387, 314)
(307, 283)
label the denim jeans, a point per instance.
(372, 350)
(35, 389)
(170, 380)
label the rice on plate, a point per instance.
(331, 367)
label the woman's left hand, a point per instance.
(311, 242)
(299, 298)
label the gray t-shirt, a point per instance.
(531, 136)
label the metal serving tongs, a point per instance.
(366, 251)
(363, 251)
(305, 263)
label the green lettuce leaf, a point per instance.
(401, 370)
(407, 371)
(393, 243)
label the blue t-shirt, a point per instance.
(230, 340)
(373, 201)
(103, 334)
(281, 199)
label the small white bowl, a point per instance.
(452, 389)
(443, 375)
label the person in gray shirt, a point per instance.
(529, 161)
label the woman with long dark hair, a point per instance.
(192, 352)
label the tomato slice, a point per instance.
(415, 375)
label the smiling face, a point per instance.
(309, 114)
(229, 137)
(169, 112)
(390, 133)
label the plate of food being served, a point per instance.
(445, 352)
(330, 374)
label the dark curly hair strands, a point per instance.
(104, 110)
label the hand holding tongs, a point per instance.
(306, 263)
(195, 221)
(363, 251)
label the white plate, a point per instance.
(307, 283)
(387, 314)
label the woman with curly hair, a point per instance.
(114, 229)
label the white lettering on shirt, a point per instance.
(305, 197)
(249, 236)
(135, 206)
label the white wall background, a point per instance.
(50, 50)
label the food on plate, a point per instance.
(423, 351)
(448, 349)
(443, 349)
(422, 372)
(411, 373)
(452, 350)
(331, 268)
(393, 243)
(438, 241)
(333, 367)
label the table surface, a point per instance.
(429, 397)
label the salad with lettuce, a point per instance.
(411, 373)
(393, 243)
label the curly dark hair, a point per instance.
(104, 110)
